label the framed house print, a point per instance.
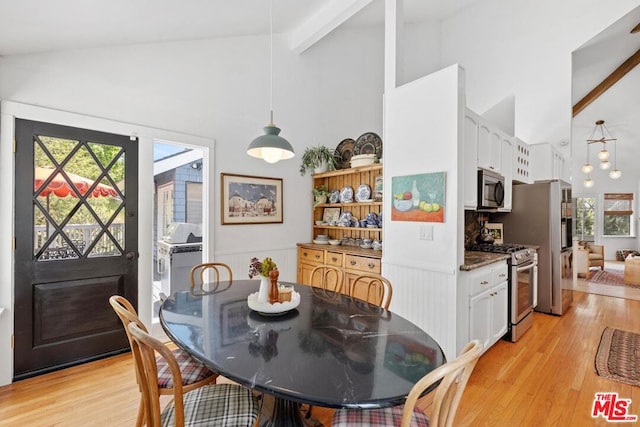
(251, 199)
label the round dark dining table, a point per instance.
(332, 350)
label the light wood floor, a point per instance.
(545, 379)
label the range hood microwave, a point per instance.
(490, 190)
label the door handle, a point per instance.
(131, 255)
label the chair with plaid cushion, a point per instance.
(211, 405)
(453, 376)
(194, 373)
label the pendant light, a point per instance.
(271, 147)
(603, 154)
(615, 173)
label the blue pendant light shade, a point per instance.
(270, 147)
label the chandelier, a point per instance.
(601, 135)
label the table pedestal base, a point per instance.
(278, 412)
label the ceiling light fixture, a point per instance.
(603, 155)
(271, 147)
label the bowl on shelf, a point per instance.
(320, 223)
(403, 205)
(335, 242)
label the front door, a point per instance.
(76, 244)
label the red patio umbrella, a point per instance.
(61, 188)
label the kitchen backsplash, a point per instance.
(472, 225)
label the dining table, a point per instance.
(331, 350)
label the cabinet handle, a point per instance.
(305, 254)
(484, 282)
(503, 275)
(371, 265)
(334, 259)
(317, 256)
(353, 263)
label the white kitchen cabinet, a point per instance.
(521, 162)
(506, 169)
(485, 292)
(489, 146)
(548, 162)
(470, 161)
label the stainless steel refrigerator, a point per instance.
(541, 215)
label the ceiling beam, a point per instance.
(609, 81)
(330, 17)
(636, 29)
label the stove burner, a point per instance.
(501, 248)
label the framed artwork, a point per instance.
(418, 197)
(330, 214)
(250, 199)
(495, 229)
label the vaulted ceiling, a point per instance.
(619, 105)
(28, 26)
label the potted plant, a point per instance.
(318, 158)
(320, 195)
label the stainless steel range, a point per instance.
(523, 284)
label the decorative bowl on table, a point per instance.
(274, 309)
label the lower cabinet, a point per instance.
(483, 305)
(488, 315)
(353, 261)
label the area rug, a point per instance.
(609, 277)
(618, 356)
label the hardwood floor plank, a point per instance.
(546, 378)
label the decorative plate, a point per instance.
(334, 197)
(277, 308)
(363, 193)
(346, 194)
(368, 143)
(343, 153)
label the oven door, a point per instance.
(523, 290)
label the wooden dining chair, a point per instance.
(372, 288)
(211, 405)
(454, 376)
(209, 273)
(195, 374)
(327, 277)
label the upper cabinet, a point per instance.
(487, 147)
(522, 162)
(548, 163)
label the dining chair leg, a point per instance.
(140, 418)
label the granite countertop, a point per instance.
(476, 259)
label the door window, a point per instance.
(78, 206)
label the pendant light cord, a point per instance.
(271, 62)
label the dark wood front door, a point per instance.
(76, 232)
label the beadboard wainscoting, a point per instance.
(426, 298)
(285, 257)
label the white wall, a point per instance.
(523, 48)
(423, 124)
(218, 89)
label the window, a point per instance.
(618, 214)
(586, 218)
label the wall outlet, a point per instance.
(426, 232)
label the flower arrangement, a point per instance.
(257, 267)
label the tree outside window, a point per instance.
(618, 214)
(586, 218)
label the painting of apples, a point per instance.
(418, 197)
